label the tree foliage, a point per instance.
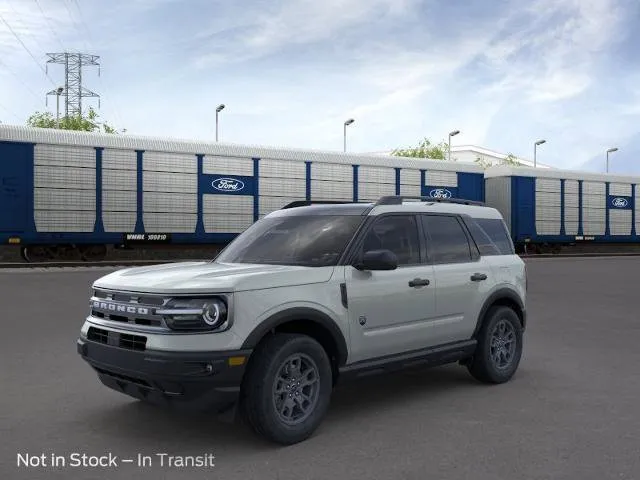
(86, 123)
(425, 149)
(510, 159)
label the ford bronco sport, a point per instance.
(309, 295)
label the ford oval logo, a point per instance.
(440, 193)
(227, 184)
(619, 202)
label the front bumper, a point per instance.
(194, 381)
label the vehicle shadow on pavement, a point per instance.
(352, 403)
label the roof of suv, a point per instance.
(473, 210)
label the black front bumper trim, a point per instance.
(195, 381)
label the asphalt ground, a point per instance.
(571, 412)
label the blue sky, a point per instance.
(504, 72)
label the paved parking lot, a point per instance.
(572, 411)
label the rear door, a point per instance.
(15, 161)
(462, 277)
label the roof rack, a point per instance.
(307, 203)
(398, 199)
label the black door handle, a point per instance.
(476, 277)
(418, 282)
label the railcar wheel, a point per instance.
(36, 253)
(92, 253)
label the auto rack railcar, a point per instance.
(548, 208)
(64, 191)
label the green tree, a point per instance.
(510, 159)
(87, 123)
(424, 149)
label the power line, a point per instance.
(25, 47)
(48, 20)
(73, 20)
(19, 79)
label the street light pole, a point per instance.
(611, 150)
(218, 110)
(59, 90)
(348, 122)
(451, 134)
(535, 151)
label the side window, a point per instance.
(486, 246)
(497, 232)
(446, 239)
(398, 233)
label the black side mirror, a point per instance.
(378, 260)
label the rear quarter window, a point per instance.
(491, 236)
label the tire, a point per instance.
(484, 366)
(260, 401)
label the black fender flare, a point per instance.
(300, 313)
(501, 294)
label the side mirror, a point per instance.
(378, 260)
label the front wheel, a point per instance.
(288, 387)
(499, 347)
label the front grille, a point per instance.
(116, 339)
(128, 308)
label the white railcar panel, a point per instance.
(373, 191)
(382, 175)
(331, 190)
(547, 227)
(593, 227)
(64, 221)
(441, 178)
(551, 185)
(270, 168)
(594, 188)
(271, 204)
(571, 187)
(571, 220)
(571, 200)
(594, 201)
(119, 180)
(594, 214)
(620, 222)
(119, 201)
(227, 204)
(227, 166)
(64, 177)
(546, 213)
(119, 159)
(64, 156)
(410, 177)
(217, 223)
(331, 172)
(161, 202)
(170, 182)
(622, 189)
(552, 199)
(169, 222)
(413, 190)
(64, 199)
(119, 221)
(169, 162)
(283, 187)
(498, 196)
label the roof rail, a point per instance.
(307, 203)
(398, 199)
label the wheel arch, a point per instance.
(306, 321)
(502, 297)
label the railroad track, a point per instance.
(134, 263)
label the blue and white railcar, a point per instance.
(551, 208)
(65, 189)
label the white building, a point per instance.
(469, 154)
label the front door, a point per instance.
(389, 311)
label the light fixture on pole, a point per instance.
(535, 151)
(452, 134)
(218, 110)
(611, 150)
(348, 122)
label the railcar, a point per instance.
(546, 209)
(76, 193)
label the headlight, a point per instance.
(200, 314)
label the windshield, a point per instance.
(306, 240)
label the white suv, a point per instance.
(308, 295)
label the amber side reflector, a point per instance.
(14, 240)
(236, 361)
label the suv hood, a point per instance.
(206, 277)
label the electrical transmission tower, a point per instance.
(73, 91)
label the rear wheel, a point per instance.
(287, 389)
(499, 347)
